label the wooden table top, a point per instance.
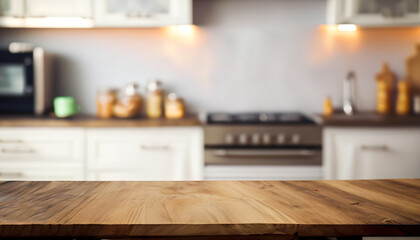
(266, 208)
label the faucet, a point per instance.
(349, 94)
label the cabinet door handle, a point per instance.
(265, 153)
(382, 148)
(18, 151)
(11, 174)
(11, 141)
(138, 15)
(159, 148)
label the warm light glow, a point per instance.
(184, 34)
(328, 42)
(186, 30)
(347, 27)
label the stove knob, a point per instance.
(281, 139)
(295, 138)
(229, 138)
(243, 139)
(256, 139)
(266, 139)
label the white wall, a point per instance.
(244, 55)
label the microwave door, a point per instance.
(12, 80)
(16, 83)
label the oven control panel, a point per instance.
(261, 139)
(263, 135)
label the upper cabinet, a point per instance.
(143, 13)
(11, 8)
(94, 13)
(374, 13)
(46, 13)
(58, 8)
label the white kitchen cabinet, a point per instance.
(58, 8)
(145, 153)
(46, 13)
(374, 13)
(42, 154)
(371, 153)
(142, 13)
(11, 8)
(11, 13)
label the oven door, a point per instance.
(16, 82)
(263, 164)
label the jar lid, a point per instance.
(131, 89)
(154, 85)
(173, 97)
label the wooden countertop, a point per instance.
(368, 119)
(266, 209)
(91, 121)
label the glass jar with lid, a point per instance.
(154, 99)
(105, 101)
(130, 104)
(174, 107)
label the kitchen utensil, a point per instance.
(413, 70)
(65, 107)
(349, 94)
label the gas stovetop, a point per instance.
(258, 118)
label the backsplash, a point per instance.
(241, 56)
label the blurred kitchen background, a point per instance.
(265, 55)
(227, 56)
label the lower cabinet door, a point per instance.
(126, 154)
(372, 153)
(40, 153)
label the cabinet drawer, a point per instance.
(107, 146)
(372, 153)
(30, 145)
(42, 175)
(130, 150)
(144, 153)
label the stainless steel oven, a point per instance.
(263, 150)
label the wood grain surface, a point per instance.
(267, 208)
(368, 119)
(90, 121)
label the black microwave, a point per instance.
(25, 81)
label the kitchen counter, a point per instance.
(91, 121)
(240, 210)
(368, 119)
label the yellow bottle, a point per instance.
(385, 86)
(403, 98)
(328, 108)
(382, 98)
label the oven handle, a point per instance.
(265, 153)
